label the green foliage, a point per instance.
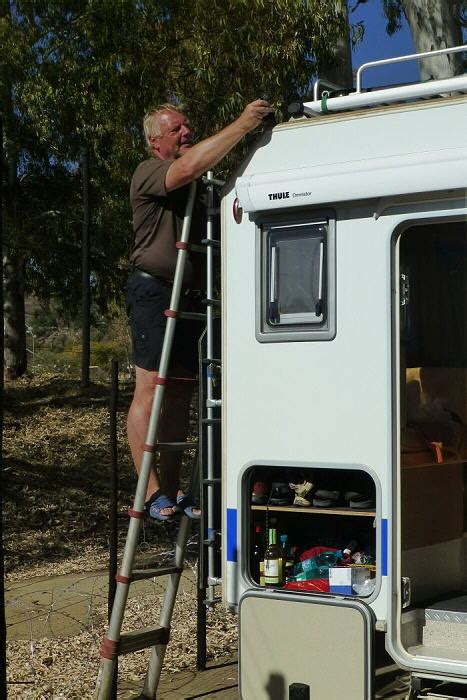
(83, 72)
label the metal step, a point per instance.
(142, 639)
(214, 601)
(212, 181)
(210, 482)
(211, 242)
(211, 302)
(192, 316)
(210, 421)
(211, 361)
(176, 446)
(143, 574)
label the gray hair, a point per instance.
(151, 121)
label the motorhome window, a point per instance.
(296, 267)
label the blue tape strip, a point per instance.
(232, 534)
(384, 547)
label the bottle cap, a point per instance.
(283, 538)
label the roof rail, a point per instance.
(401, 93)
(401, 59)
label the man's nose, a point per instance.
(186, 131)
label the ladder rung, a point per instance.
(211, 361)
(192, 316)
(210, 421)
(197, 248)
(176, 446)
(142, 574)
(210, 242)
(212, 181)
(211, 302)
(214, 601)
(215, 480)
(142, 639)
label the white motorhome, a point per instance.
(344, 337)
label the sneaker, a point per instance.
(281, 495)
(326, 499)
(360, 501)
(301, 492)
(260, 492)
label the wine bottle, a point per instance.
(273, 563)
(257, 555)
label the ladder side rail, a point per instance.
(106, 672)
(156, 659)
(201, 616)
(400, 59)
(211, 488)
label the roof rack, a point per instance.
(403, 93)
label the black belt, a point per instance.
(168, 283)
(148, 275)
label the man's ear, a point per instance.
(154, 143)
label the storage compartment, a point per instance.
(433, 410)
(324, 522)
(320, 646)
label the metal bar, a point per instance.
(325, 83)
(113, 522)
(107, 670)
(388, 95)
(210, 403)
(201, 616)
(400, 59)
(158, 651)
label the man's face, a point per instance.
(176, 137)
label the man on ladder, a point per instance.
(159, 195)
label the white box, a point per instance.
(341, 579)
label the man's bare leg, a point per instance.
(173, 427)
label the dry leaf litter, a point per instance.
(56, 501)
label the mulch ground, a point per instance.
(56, 521)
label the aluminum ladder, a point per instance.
(116, 643)
(209, 436)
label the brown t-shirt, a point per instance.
(158, 220)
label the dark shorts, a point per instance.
(146, 300)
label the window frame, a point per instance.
(304, 329)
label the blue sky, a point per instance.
(378, 44)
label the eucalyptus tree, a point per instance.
(434, 24)
(80, 75)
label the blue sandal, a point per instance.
(186, 504)
(156, 503)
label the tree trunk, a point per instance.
(435, 25)
(339, 71)
(86, 291)
(14, 320)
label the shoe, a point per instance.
(326, 499)
(260, 492)
(281, 495)
(301, 492)
(186, 505)
(156, 504)
(360, 501)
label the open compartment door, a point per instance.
(320, 642)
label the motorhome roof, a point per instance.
(402, 93)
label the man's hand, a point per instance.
(205, 154)
(253, 114)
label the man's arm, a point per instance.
(205, 154)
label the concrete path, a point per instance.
(62, 606)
